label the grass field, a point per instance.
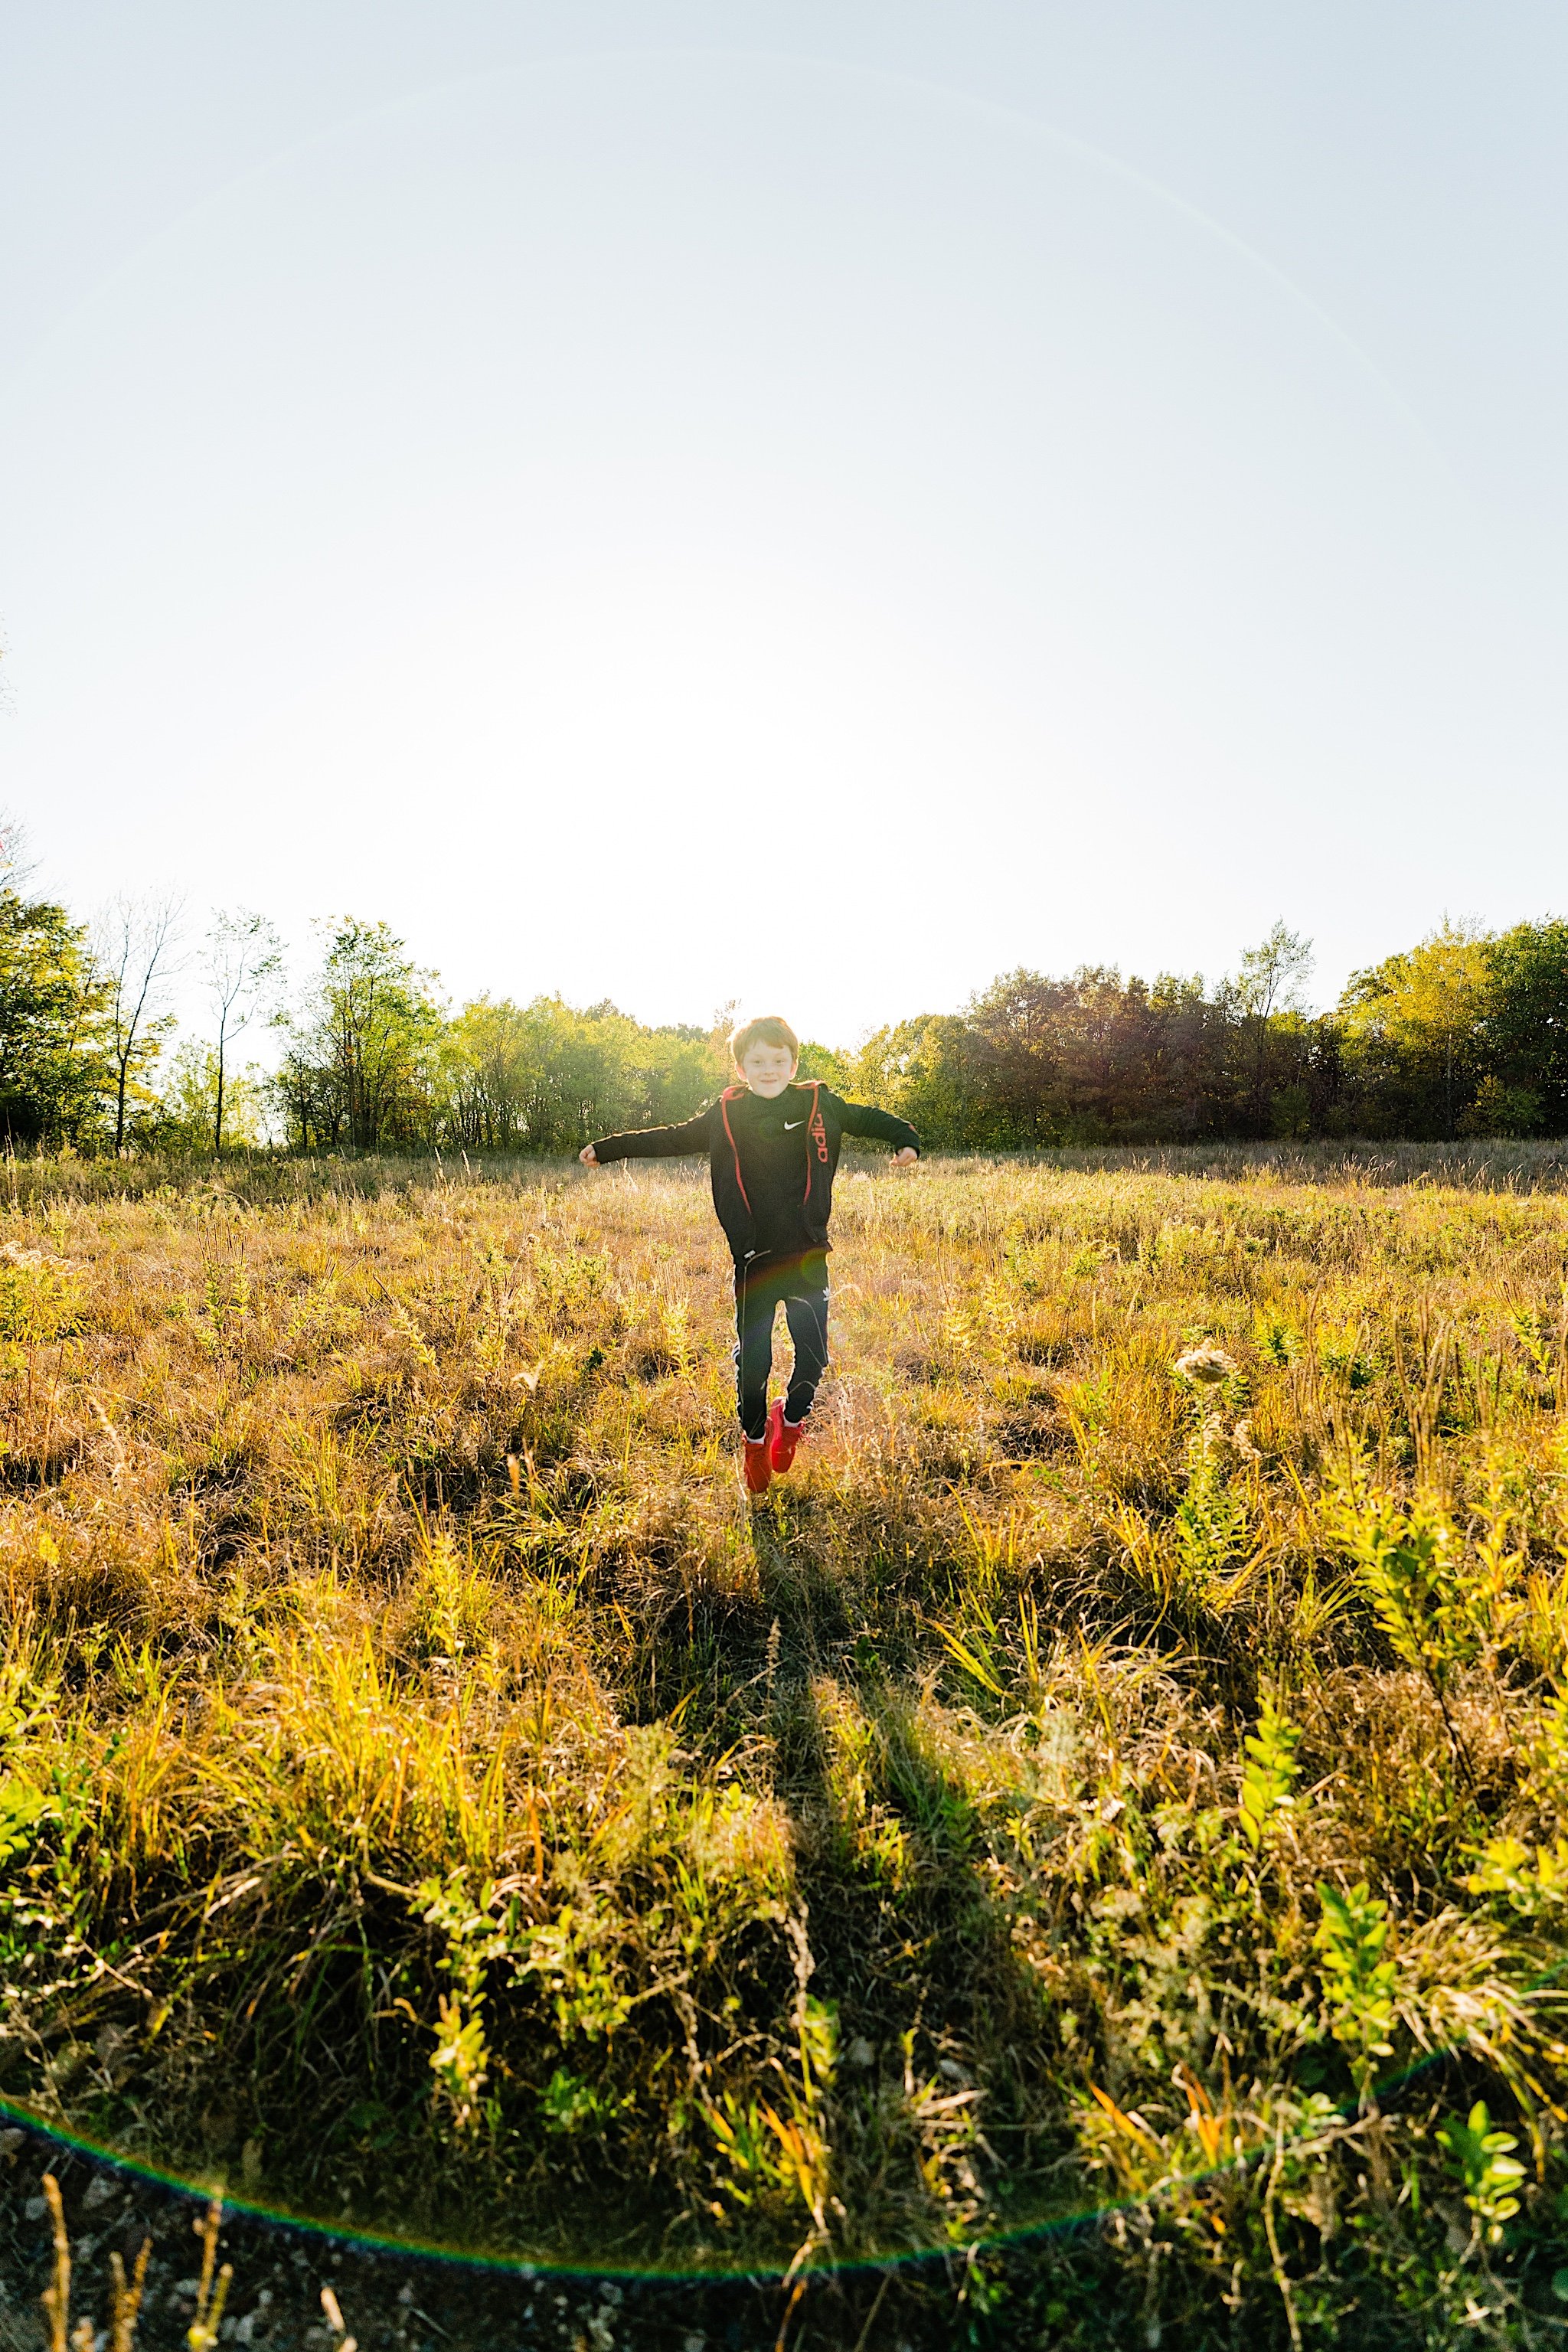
(1125, 1766)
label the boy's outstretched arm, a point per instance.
(650, 1144)
(864, 1118)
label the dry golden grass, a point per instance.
(1135, 1739)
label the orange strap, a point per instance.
(724, 1113)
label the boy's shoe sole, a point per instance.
(757, 1469)
(783, 1438)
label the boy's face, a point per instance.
(767, 1069)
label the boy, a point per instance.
(771, 1144)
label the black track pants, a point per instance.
(798, 1285)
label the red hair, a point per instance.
(768, 1029)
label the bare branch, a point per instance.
(242, 963)
(18, 863)
(137, 949)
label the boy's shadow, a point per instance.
(938, 2114)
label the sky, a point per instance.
(811, 506)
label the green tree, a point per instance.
(548, 1076)
(929, 1071)
(1269, 993)
(189, 1099)
(1016, 1049)
(137, 954)
(1422, 1013)
(819, 1061)
(55, 1068)
(359, 1064)
(484, 1068)
(242, 964)
(1526, 1028)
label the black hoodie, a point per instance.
(771, 1161)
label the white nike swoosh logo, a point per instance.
(793, 1122)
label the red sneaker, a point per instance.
(784, 1436)
(757, 1469)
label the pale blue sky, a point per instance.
(816, 504)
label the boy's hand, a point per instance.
(906, 1158)
(588, 1156)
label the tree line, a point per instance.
(1465, 1034)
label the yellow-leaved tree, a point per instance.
(1428, 1004)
